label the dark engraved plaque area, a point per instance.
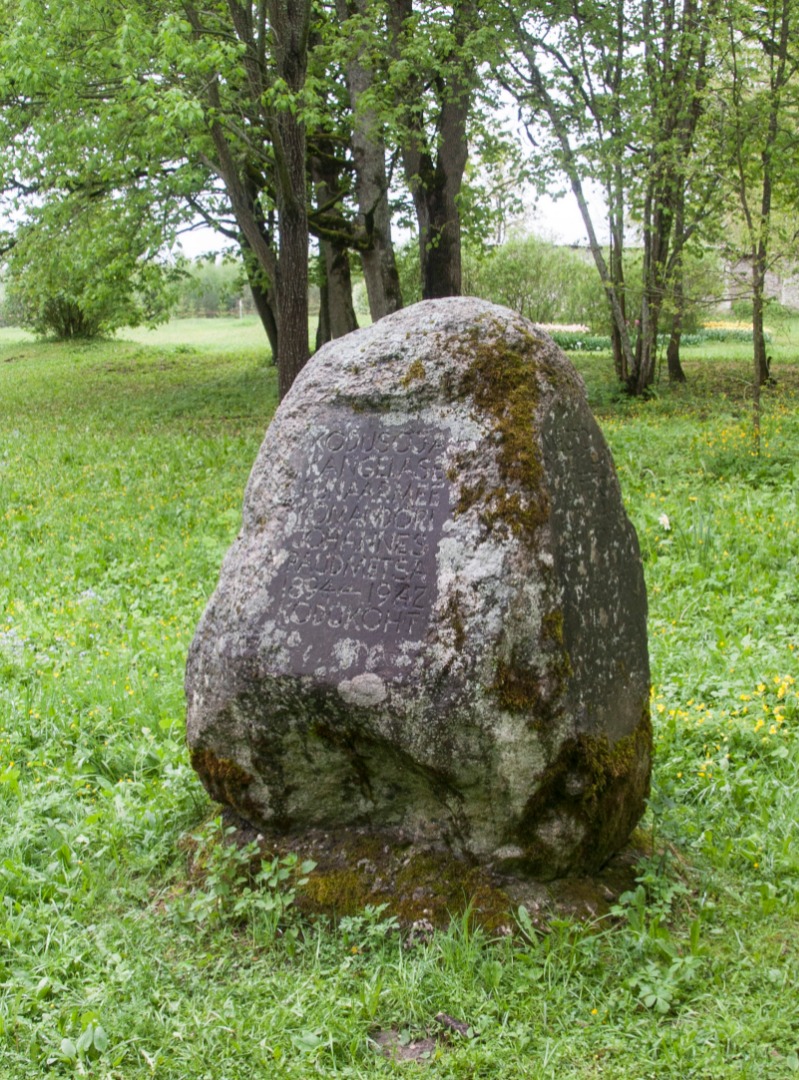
(359, 579)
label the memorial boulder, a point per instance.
(432, 625)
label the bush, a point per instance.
(773, 310)
(541, 281)
(85, 272)
(410, 272)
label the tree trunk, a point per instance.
(435, 187)
(264, 305)
(658, 225)
(336, 311)
(761, 362)
(287, 268)
(676, 373)
(760, 373)
(616, 268)
(676, 275)
(613, 285)
(434, 191)
(759, 263)
(435, 183)
(323, 323)
(292, 292)
(263, 295)
(371, 183)
(339, 290)
(290, 22)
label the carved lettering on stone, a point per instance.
(371, 502)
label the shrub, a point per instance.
(84, 274)
(541, 281)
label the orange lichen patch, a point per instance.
(224, 779)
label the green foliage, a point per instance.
(129, 948)
(543, 282)
(83, 271)
(775, 312)
(702, 284)
(410, 272)
(211, 287)
(550, 283)
(718, 333)
(580, 341)
(235, 886)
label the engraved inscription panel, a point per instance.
(360, 576)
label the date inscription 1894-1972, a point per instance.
(370, 505)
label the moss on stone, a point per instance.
(502, 380)
(552, 627)
(520, 688)
(517, 689)
(356, 869)
(598, 786)
(469, 495)
(414, 885)
(457, 623)
(415, 371)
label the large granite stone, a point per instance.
(433, 622)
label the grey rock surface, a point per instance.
(433, 621)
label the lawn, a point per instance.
(122, 467)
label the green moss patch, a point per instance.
(415, 371)
(520, 688)
(601, 788)
(357, 869)
(502, 380)
(225, 780)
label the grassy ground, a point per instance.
(205, 334)
(121, 470)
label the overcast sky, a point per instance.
(557, 220)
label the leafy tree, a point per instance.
(178, 103)
(364, 67)
(82, 269)
(252, 66)
(757, 114)
(566, 69)
(270, 121)
(675, 196)
(618, 90)
(210, 287)
(437, 53)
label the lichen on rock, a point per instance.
(433, 623)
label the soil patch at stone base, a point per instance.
(425, 887)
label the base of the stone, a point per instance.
(423, 886)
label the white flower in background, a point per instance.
(664, 521)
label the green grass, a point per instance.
(130, 946)
(207, 334)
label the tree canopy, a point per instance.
(299, 125)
